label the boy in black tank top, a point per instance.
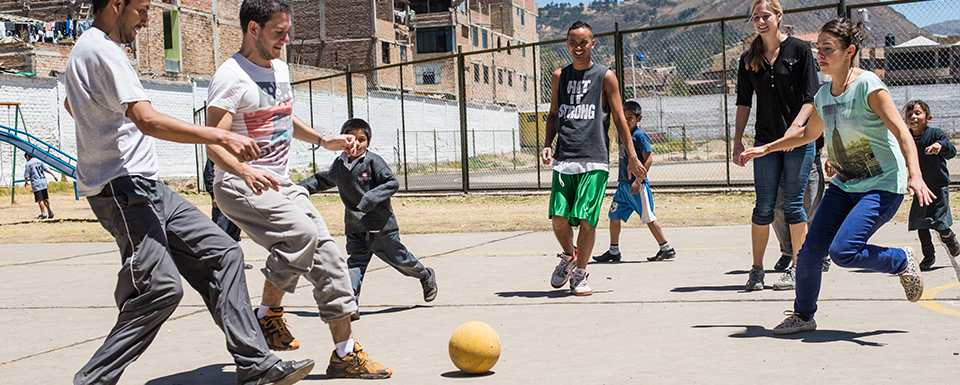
(577, 119)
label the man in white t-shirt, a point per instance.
(160, 235)
(250, 95)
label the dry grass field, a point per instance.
(75, 222)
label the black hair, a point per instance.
(261, 11)
(356, 124)
(28, 156)
(913, 103)
(97, 5)
(847, 32)
(633, 106)
(580, 24)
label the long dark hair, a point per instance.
(848, 32)
(754, 59)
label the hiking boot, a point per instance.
(755, 282)
(929, 257)
(950, 242)
(788, 281)
(607, 257)
(562, 272)
(356, 365)
(783, 263)
(665, 254)
(275, 331)
(910, 277)
(794, 324)
(42, 216)
(429, 284)
(826, 263)
(283, 373)
(578, 283)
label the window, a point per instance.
(171, 41)
(522, 21)
(484, 38)
(510, 79)
(509, 51)
(403, 54)
(428, 75)
(475, 37)
(498, 42)
(500, 75)
(524, 84)
(435, 39)
(523, 51)
(465, 32)
(476, 73)
(385, 55)
(486, 75)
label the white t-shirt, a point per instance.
(100, 83)
(261, 100)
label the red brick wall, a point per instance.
(45, 10)
(196, 44)
(350, 19)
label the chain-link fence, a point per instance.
(476, 120)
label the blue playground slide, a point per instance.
(41, 150)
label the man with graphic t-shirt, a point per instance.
(161, 236)
(250, 95)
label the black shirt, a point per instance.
(933, 167)
(781, 90)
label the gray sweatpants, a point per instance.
(161, 236)
(811, 201)
(286, 223)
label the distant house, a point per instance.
(646, 82)
(922, 60)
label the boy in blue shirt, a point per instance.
(33, 175)
(365, 184)
(634, 195)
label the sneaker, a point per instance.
(247, 266)
(826, 263)
(578, 283)
(356, 365)
(950, 242)
(783, 263)
(665, 254)
(929, 257)
(788, 281)
(755, 282)
(562, 272)
(910, 277)
(275, 331)
(283, 373)
(429, 284)
(794, 324)
(355, 316)
(607, 257)
(42, 216)
(50, 215)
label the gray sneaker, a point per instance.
(788, 281)
(429, 284)
(755, 282)
(562, 272)
(911, 278)
(794, 324)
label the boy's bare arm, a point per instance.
(550, 132)
(611, 92)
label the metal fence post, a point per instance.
(683, 130)
(536, 113)
(618, 55)
(403, 129)
(349, 93)
(462, 88)
(726, 91)
(313, 154)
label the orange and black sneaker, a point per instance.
(275, 331)
(356, 365)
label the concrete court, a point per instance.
(676, 322)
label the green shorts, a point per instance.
(578, 196)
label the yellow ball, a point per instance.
(474, 347)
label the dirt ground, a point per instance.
(75, 222)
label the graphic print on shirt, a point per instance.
(850, 151)
(572, 109)
(272, 126)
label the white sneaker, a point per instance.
(578, 283)
(562, 272)
(788, 280)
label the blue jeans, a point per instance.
(794, 167)
(841, 228)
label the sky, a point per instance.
(922, 14)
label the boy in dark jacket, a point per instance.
(365, 184)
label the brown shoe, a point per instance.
(275, 331)
(356, 365)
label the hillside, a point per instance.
(950, 27)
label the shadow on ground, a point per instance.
(207, 375)
(815, 336)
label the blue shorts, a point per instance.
(625, 203)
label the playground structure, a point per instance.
(45, 152)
